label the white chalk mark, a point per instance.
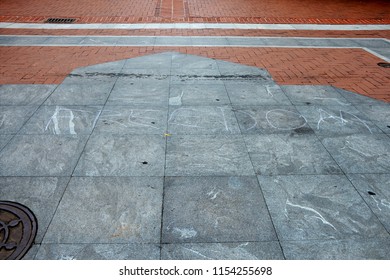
(268, 88)
(213, 194)
(359, 120)
(350, 146)
(96, 118)
(176, 100)
(331, 98)
(185, 233)
(2, 120)
(197, 253)
(252, 117)
(224, 119)
(284, 111)
(138, 123)
(319, 216)
(324, 115)
(54, 119)
(71, 123)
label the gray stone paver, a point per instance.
(157, 156)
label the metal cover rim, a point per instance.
(29, 228)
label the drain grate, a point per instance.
(18, 228)
(384, 64)
(60, 20)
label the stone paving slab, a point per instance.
(167, 160)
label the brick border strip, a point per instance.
(156, 19)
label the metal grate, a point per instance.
(384, 64)
(60, 20)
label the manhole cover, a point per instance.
(60, 20)
(18, 227)
(384, 64)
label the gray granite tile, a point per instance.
(281, 154)
(190, 62)
(214, 209)
(205, 41)
(227, 68)
(145, 74)
(175, 41)
(223, 251)
(271, 119)
(196, 76)
(63, 120)
(202, 120)
(4, 139)
(256, 94)
(98, 252)
(23, 95)
(156, 61)
(64, 40)
(127, 92)
(12, 118)
(132, 120)
(373, 43)
(40, 194)
(318, 207)
(109, 210)
(207, 155)
(374, 188)
(324, 95)
(41, 155)
(81, 92)
(30, 255)
(99, 40)
(194, 95)
(107, 69)
(360, 153)
(122, 155)
(356, 98)
(337, 120)
(136, 41)
(379, 114)
(377, 249)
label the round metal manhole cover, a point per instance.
(18, 228)
(384, 64)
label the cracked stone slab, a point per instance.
(24, 95)
(122, 155)
(223, 251)
(318, 207)
(207, 155)
(256, 93)
(12, 118)
(40, 194)
(109, 210)
(376, 249)
(320, 95)
(4, 139)
(41, 155)
(197, 95)
(360, 153)
(65, 120)
(337, 120)
(271, 120)
(132, 120)
(214, 209)
(280, 154)
(98, 252)
(202, 120)
(374, 188)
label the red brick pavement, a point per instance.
(249, 11)
(351, 69)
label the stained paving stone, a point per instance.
(109, 210)
(337, 120)
(289, 154)
(40, 194)
(214, 209)
(374, 188)
(306, 95)
(202, 120)
(132, 120)
(242, 73)
(24, 95)
(41, 155)
(271, 120)
(12, 118)
(207, 155)
(378, 113)
(122, 155)
(98, 252)
(223, 251)
(360, 153)
(198, 95)
(377, 249)
(68, 120)
(256, 94)
(318, 207)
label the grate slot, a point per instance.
(60, 20)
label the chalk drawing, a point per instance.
(177, 100)
(324, 115)
(288, 116)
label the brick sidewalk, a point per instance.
(253, 11)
